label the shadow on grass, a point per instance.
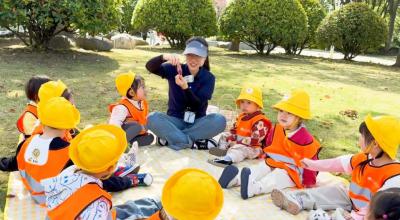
(68, 59)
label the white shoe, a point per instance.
(318, 214)
(130, 158)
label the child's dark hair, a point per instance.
(385, 205)
(138, 82)
(33, 85)
(368, 139)
(204, 42)
(67, 94)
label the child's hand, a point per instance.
(181, 82)
(172, 59)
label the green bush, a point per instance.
(353, 30)
(178, 20)
(126, 18)
(265, 24)
(42, 20)
(315, 13)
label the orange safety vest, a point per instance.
(74, 205)
(32, 174)
(244, 127)
(135, 115)
(39, 130)
(285, 154)
(155, 216)
(20, 122)
(364, 186)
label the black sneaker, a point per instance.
(144, 140)
(162, 142)
(204, 144)
(220, 162)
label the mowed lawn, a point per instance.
(335, 87)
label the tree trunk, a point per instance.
(397, 64)
(393, 13)
(235, 45)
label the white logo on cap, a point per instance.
(249, 90)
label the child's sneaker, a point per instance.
(130, 158)
(219, 162)
(162, 142)
(144, 140)
(204, 144)
(319, 214)
(141, 179)
(218, 151)
(229, 177)
(289, 202)
(125, 170)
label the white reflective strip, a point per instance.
(359, 203)
(281, 158)
(35, 186)
(361, 191)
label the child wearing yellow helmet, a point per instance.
(130, 112)
(287, 143)
(190, 194)
(244, 141)
(77, 192)
(45, 155)
(372, 170)
(28, 119)
(50, 90)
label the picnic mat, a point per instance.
(162, 162)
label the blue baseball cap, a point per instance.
(196, 48)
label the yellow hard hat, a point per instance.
(192, 194)
(97, 148)
(51, 89)
(297, 103)
(386, 131)
(252, 93)
(59, 113)
(123, 82)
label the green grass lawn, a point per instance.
(334, 87)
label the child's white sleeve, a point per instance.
(98, 210)
(393, 182)
(118, 115)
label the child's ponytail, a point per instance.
(385, 205)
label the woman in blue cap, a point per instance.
(191, 86)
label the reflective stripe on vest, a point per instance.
(289, 162)
(359, 203)
(358, 190)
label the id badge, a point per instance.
(189, 78)
(189, 117)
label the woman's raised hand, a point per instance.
(172, 59)
(181, 82)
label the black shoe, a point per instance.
(144, 140)
(220, 162)
(204, 144)
(162, 142)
